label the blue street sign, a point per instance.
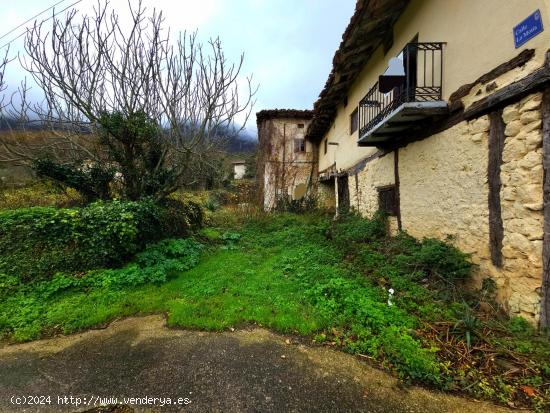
(528, 29)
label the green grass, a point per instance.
(301, 275)
(244, 289)
(231, 286)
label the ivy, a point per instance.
(36, 243)
(93, 182)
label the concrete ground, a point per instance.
(242, 371)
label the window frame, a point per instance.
(392, 211)
(299, 145)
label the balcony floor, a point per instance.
(405, 117)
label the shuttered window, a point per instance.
(387, 200)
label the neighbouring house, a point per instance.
(286, 164)
(239, 169)
(438, 113)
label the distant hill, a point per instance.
(244, 142)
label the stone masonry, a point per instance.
(521, 200)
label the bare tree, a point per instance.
(3, 63)
(129, 97)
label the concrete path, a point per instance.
(242, 371)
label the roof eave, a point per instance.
(370, 26)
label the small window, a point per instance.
(299, 145)
(301, 125)
(326, 145)
(353, 122)
(387, 200)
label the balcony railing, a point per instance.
(421, 82)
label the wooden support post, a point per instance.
(496, 146)
(397, 189)
(336, 195)
(545, 291)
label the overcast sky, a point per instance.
(288, 44)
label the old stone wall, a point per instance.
(326, 195)
(364, 184)
(444, 193)
(521, 200)
(443, 187)
(285, 171)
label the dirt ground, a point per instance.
(250, 370)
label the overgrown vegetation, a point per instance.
(68, 303)
(36, 243)
(38, 194)
(92, 183)
(307, 203)
(305, 274)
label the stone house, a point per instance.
(438, 112)
(286, 160)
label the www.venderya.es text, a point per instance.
(94, 400)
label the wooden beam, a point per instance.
(511, 93)
(359, 166)
(545, 291)
(397, 191)
(496, 147)
(505, 67)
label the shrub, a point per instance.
(223, 197)
(245, 191)
(29, 309)
(435, 258)
(212, 204)
(38, 242)
(307, 203)
(35, 243)
(42, 194)
(168, 251)
(180, 218)
(403, 254)
(155, 264)
(520, 326)
(351, 230)
(91, 182)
